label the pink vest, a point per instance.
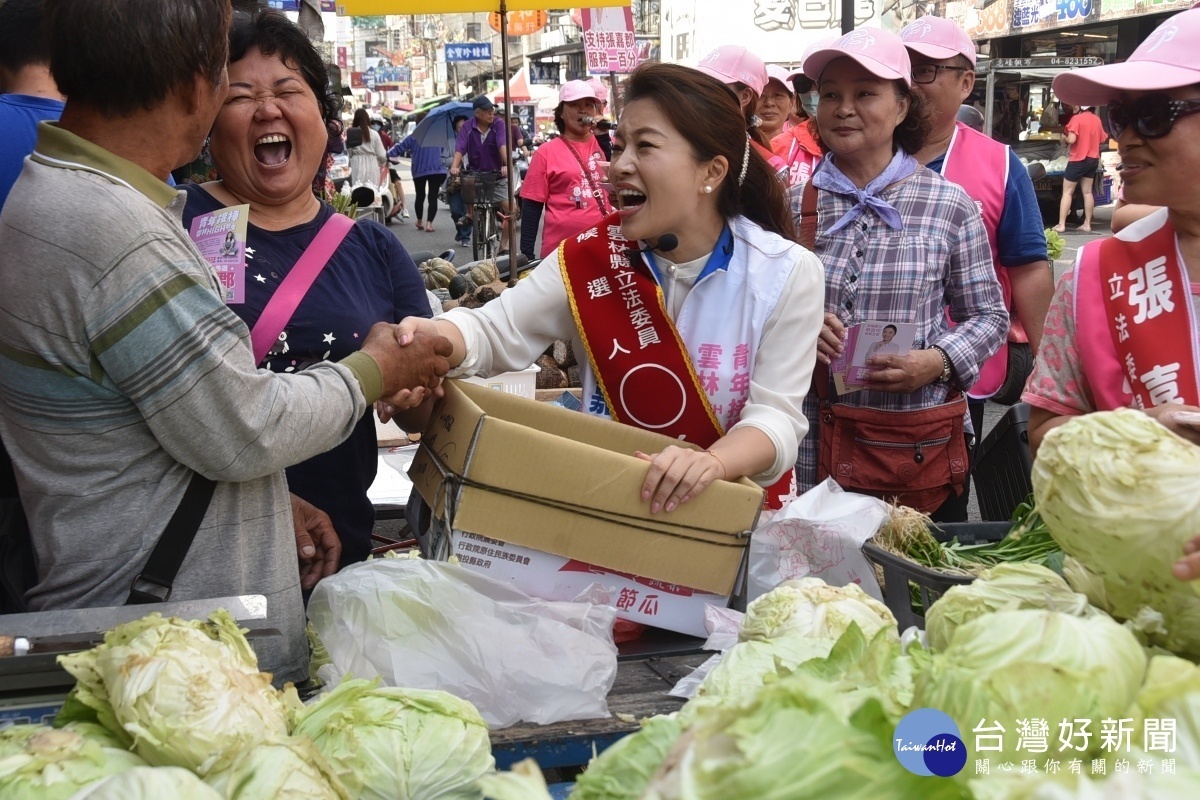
(1094, 335)
(980, 166)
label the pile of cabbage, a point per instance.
(167, 708)
(806, 704)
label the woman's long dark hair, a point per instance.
(362, 121)
(707, 114)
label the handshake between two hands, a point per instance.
(413, 357)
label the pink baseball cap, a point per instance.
(600, 88)
(938, 38)
(880, 52)
(826, 41)
(778, 73)
(1168, 59)
(731, 63)
(576, 90)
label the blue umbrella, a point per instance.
(437, 129)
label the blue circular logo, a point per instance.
(927, 742)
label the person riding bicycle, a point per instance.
(482, 143)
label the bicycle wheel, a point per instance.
(478, 234)
(490, 236)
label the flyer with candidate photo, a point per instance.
(867, 339)
(221, 238)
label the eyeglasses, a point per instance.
(1151, 115)
(928, 73)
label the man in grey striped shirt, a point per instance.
(121, 370)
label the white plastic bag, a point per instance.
(434, 625)
(818, 534)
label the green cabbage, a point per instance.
(1172, 691)
(1128, 786)
(288, 768)
(1118, 492)
(624, 770)
(525, 782)
(1033, 664)
(1005, 587)
(823, 731)
(400, 744)
(810, 607)
(185, 694)
(42, 763)
(150, 783)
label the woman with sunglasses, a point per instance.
(1123, 329)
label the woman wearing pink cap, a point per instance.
(899, 244)
(777, 103)
(565, 174)
(696, 310)
(746, 76)
(1123, 330)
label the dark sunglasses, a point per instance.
(1152, 115)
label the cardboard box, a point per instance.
(522, 383)
(567, 484)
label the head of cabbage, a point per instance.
(150, 783)
(1005, 587)
(810, 607)
(388, 743)
(183, 693)
(1033, 664)
(278, 769)
(624, 770)
(1118, 493)
(42, 763)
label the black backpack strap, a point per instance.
(153, 585)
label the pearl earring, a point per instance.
(708, 190)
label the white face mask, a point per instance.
(809, 101)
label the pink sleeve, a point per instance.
(535, 186)
(1057, 383)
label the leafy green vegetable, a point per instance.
(1118, 491)
(42, 763)
(1185, 785)
(1002, 588)
(624, 770)
(1171, 691)
(525, 782)
(1031, 664)
(279, 769)
(184, 693)
(810, 607)
(1054, 244)
(150, 783)
(824, 731)
(400, 744)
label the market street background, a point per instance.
(443, 239)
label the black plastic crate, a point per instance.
(1001, 475)
(899, 574)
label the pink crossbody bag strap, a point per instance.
(291, 291)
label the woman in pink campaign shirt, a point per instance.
(1123, 330)
(565, 174)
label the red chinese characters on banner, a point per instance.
(608, 40)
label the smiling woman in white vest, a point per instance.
(698, 311)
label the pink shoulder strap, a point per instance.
(291, 291)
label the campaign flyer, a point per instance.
(221, 238)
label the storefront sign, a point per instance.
(468, 51)
(1007, 17)
(520, 23)
(1043, 62)
(608, 40)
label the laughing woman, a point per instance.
(696, 276)
(267, 142)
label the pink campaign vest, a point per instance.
(1119, 277)
(980, 166)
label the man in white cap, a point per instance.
(943, 72)
(565, 175)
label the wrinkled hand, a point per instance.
(1166, 415)
(1188, 567)
(903, 374)
(405, 400)
(455, 171)
(419, 361)
(317, 544)
(677, 475)
(830, 343)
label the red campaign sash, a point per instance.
(1150, 316)
(641, 363)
